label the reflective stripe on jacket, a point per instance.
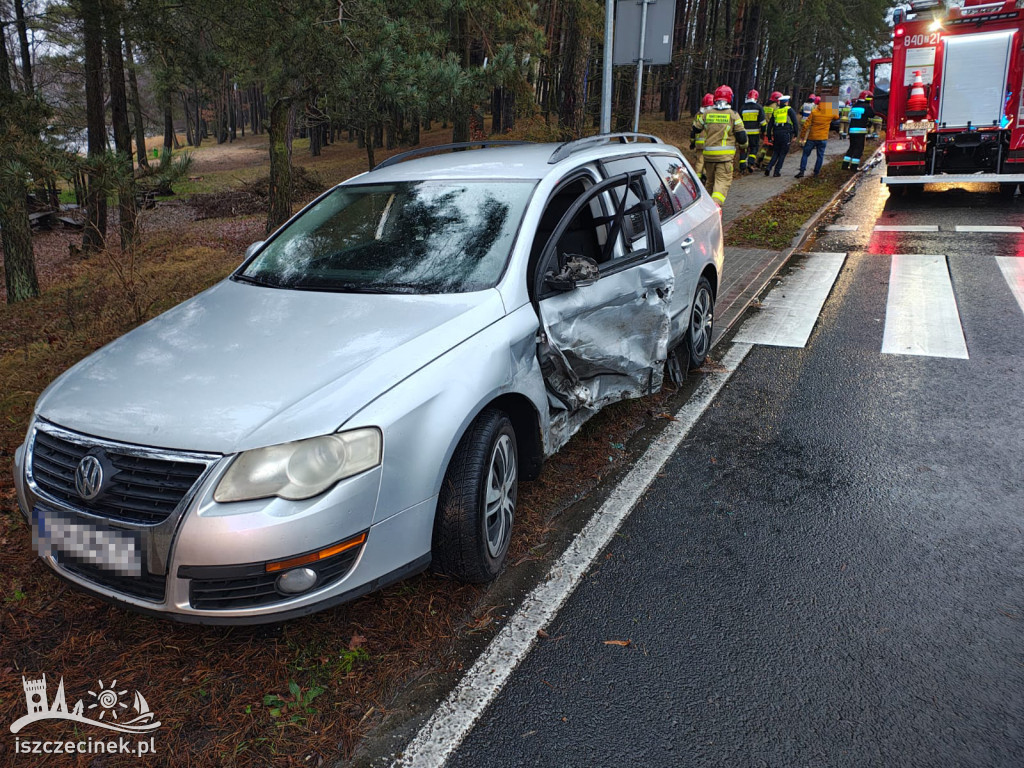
(753, 116)
(723, 130)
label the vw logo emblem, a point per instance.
(89, 478)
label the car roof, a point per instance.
(508, 162)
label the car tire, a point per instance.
(1007, 190)
(697, 341)
(476, 506)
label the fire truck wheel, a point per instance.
(1007, 190)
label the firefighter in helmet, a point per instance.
(876, 120)
(766, 142)
(697, 139)
(723, 133)
(861, 115)
(754, 121)
(781, 130)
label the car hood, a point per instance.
(242, 366)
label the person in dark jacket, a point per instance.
(861, 115)
(781, 130)
(755, 122)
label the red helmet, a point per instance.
(865, 95)
(723, 93)
(776, 95)
(816, 99)
(811, 97)
(708, 101)
(753, 95)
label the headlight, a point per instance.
(301, 469)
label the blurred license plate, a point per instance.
(86, 542)
(917, 127)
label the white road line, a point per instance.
(842, 227)
(980, 228)
(454, 718)
(921, 316)
(906, 228)
(788, 314)
(1012, 268)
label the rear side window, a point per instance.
(679, 185)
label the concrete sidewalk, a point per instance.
(746, 268)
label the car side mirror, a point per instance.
(253, 248)
(578, 272)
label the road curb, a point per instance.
(798, 240)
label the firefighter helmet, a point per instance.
(816, 99)
(708, 100)
(865, 95)
(753, 95)
(723, 93)
(776, 95)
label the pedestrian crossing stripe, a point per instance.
(921, 315)
(988, 229)
(1012, 268)
(788, 314)
(906, 228)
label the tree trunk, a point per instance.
(169, 137)
(15, 232)
(96, 198)
(280, 164)
(26, 52)
(133, 92)
(119, 122)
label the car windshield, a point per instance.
(407, 237)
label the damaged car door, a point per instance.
(602, 288)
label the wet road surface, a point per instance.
(830, 571)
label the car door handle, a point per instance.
(688, 242)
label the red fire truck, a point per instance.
(964, 120)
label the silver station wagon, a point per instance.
(359, 400)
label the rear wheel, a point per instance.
(476, 506)
(1007, 190)
(702, 320)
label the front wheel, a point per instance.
(702, 319)
(476, 506)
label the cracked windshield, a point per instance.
(410, 237)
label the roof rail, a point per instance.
(403, 156)
(564, 150)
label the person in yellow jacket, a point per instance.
(697, 141)
(723, 132)
(844, 119)
(814, 135)
(766, 141)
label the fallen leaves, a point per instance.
(620, 643)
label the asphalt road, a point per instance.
(830, 571)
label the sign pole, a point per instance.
(640, 65)
(606, 83)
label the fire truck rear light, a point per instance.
(900, 148)
(898, 31)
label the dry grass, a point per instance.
(208, 685)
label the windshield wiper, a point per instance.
(350, 288)
(241, 277)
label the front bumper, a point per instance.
(219, 546)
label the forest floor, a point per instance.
(301, 693)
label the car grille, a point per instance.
(149, 586)
(144, 490)
(215, 588)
